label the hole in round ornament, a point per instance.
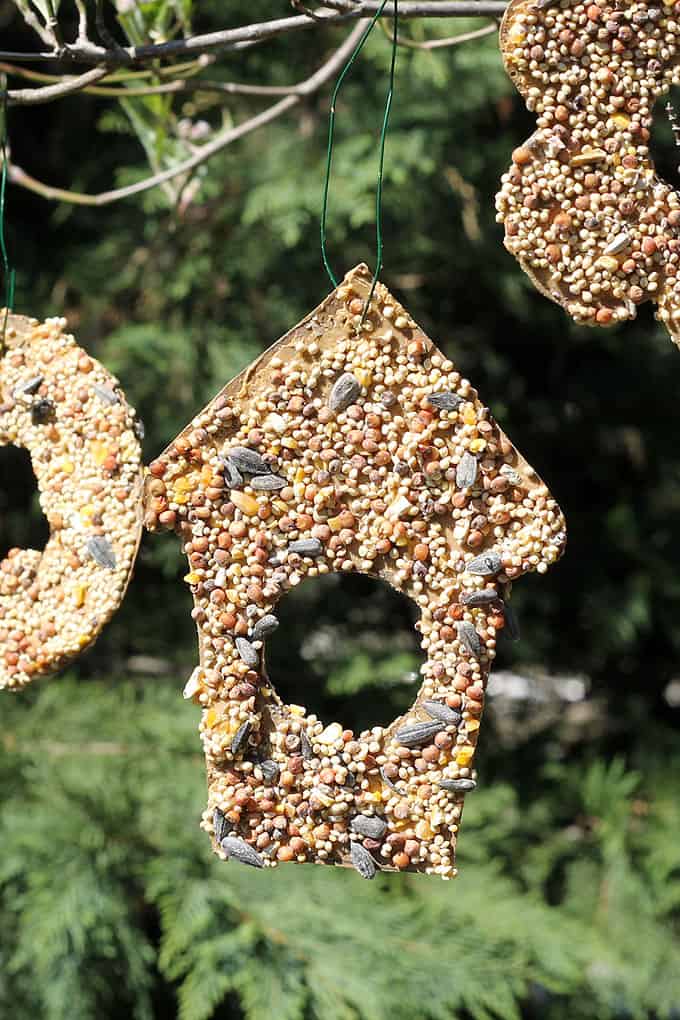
(347, 649)
(22, 523)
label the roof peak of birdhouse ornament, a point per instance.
(352, 444)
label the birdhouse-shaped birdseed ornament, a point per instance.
(349, 445)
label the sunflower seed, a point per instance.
(101, 551)
(232, 476)
(305, 746)
(268, 483)
(241, 851)
(457, 785)
(345, 391)
(248, 654)
(306, 547)
(438, 710)
(269, 769)
(479, 598)
(264, 627)
(369, 825)
(240, 738)
(511, 630)
(487, 564)
(362, 860)
(446, 401)
(220, 825)
(31, 386)
(248, 461)
(469, 638)
(417, 734)
(106, 395)
(466, 472)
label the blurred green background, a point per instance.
(568, 900)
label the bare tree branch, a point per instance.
(47, 94)
(188, 67)
(116, 76)
(82, 20)
(103, 31)
(67, 86)
(53, 27)
(302, 8)
(447, 43)
(115, 61)
(204, 152)
(33, 58)
(178, 86)
(229, 88)
(248, 35)
(33, 21)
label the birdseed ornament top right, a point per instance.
(585, 213)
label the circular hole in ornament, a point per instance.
(22, 523)
(347, 649)
(664, 145)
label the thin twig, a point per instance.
(60, 87)
(302, 8)
(53, 26)
(32, 20)
(231, 88)
(448, 42)
(204, 152)
(102, 30)
(247, 35)
(33, 97)
(344, 5)
(82, 20)
(33, 58)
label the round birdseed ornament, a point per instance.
(70, 414)
(352, 444)
(585, 213)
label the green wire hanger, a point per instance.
(8, 271)
(381, 156)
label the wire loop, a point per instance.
(381, 154)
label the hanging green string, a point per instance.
(8, 272)
(381, 154)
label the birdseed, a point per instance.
(371, 487)
(585, 212)
(87, 463)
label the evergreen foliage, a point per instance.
(112, 901)
(568, 902)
